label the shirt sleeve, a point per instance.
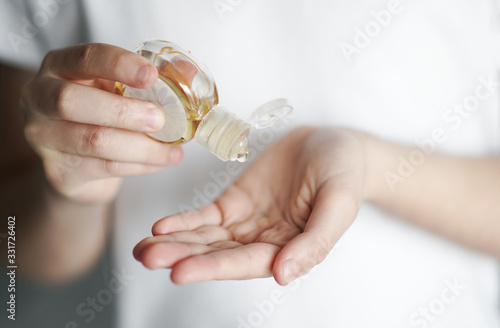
(29, 29)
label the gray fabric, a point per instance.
(30, 28)
(40, 306)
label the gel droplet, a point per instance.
(242, 157)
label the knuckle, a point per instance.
(111, 167)
(187, 220)
(317, 254)
(64, 101)
(72, 161)
(32, 132)
(94, 141)
(122, 112)
(324, 245)
(88, 54)
(121, 60)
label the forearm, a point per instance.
(456, 197)
(56, 239)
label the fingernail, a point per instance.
(154, 120)
(143, 74)
(289, 271)
(175, 155)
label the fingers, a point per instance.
(206, 254)
(75, 102)
(95, 60)
(333, 212)
(69, 169)
(101, 142)
(165, 250)
(208, 234)
(190, 220)
(244, 262)
(198, 249)
(83, 132)
(166, 255)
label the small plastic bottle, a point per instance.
(187, 94)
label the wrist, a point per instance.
(378, 157)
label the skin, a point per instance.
(280, 218)
(273, 218)
(287, 211)
(74, 152)
(74, 117)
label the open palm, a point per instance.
(281, 217)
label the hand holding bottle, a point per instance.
(280, 218)
(88, 137)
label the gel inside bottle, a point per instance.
(187, 94)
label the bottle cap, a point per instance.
(269, 113)
(226, 135)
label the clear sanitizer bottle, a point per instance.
(187, 94)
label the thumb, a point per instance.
(333, 212)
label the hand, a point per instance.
(280, 218)
(88, 137)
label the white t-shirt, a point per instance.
(397, 69)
